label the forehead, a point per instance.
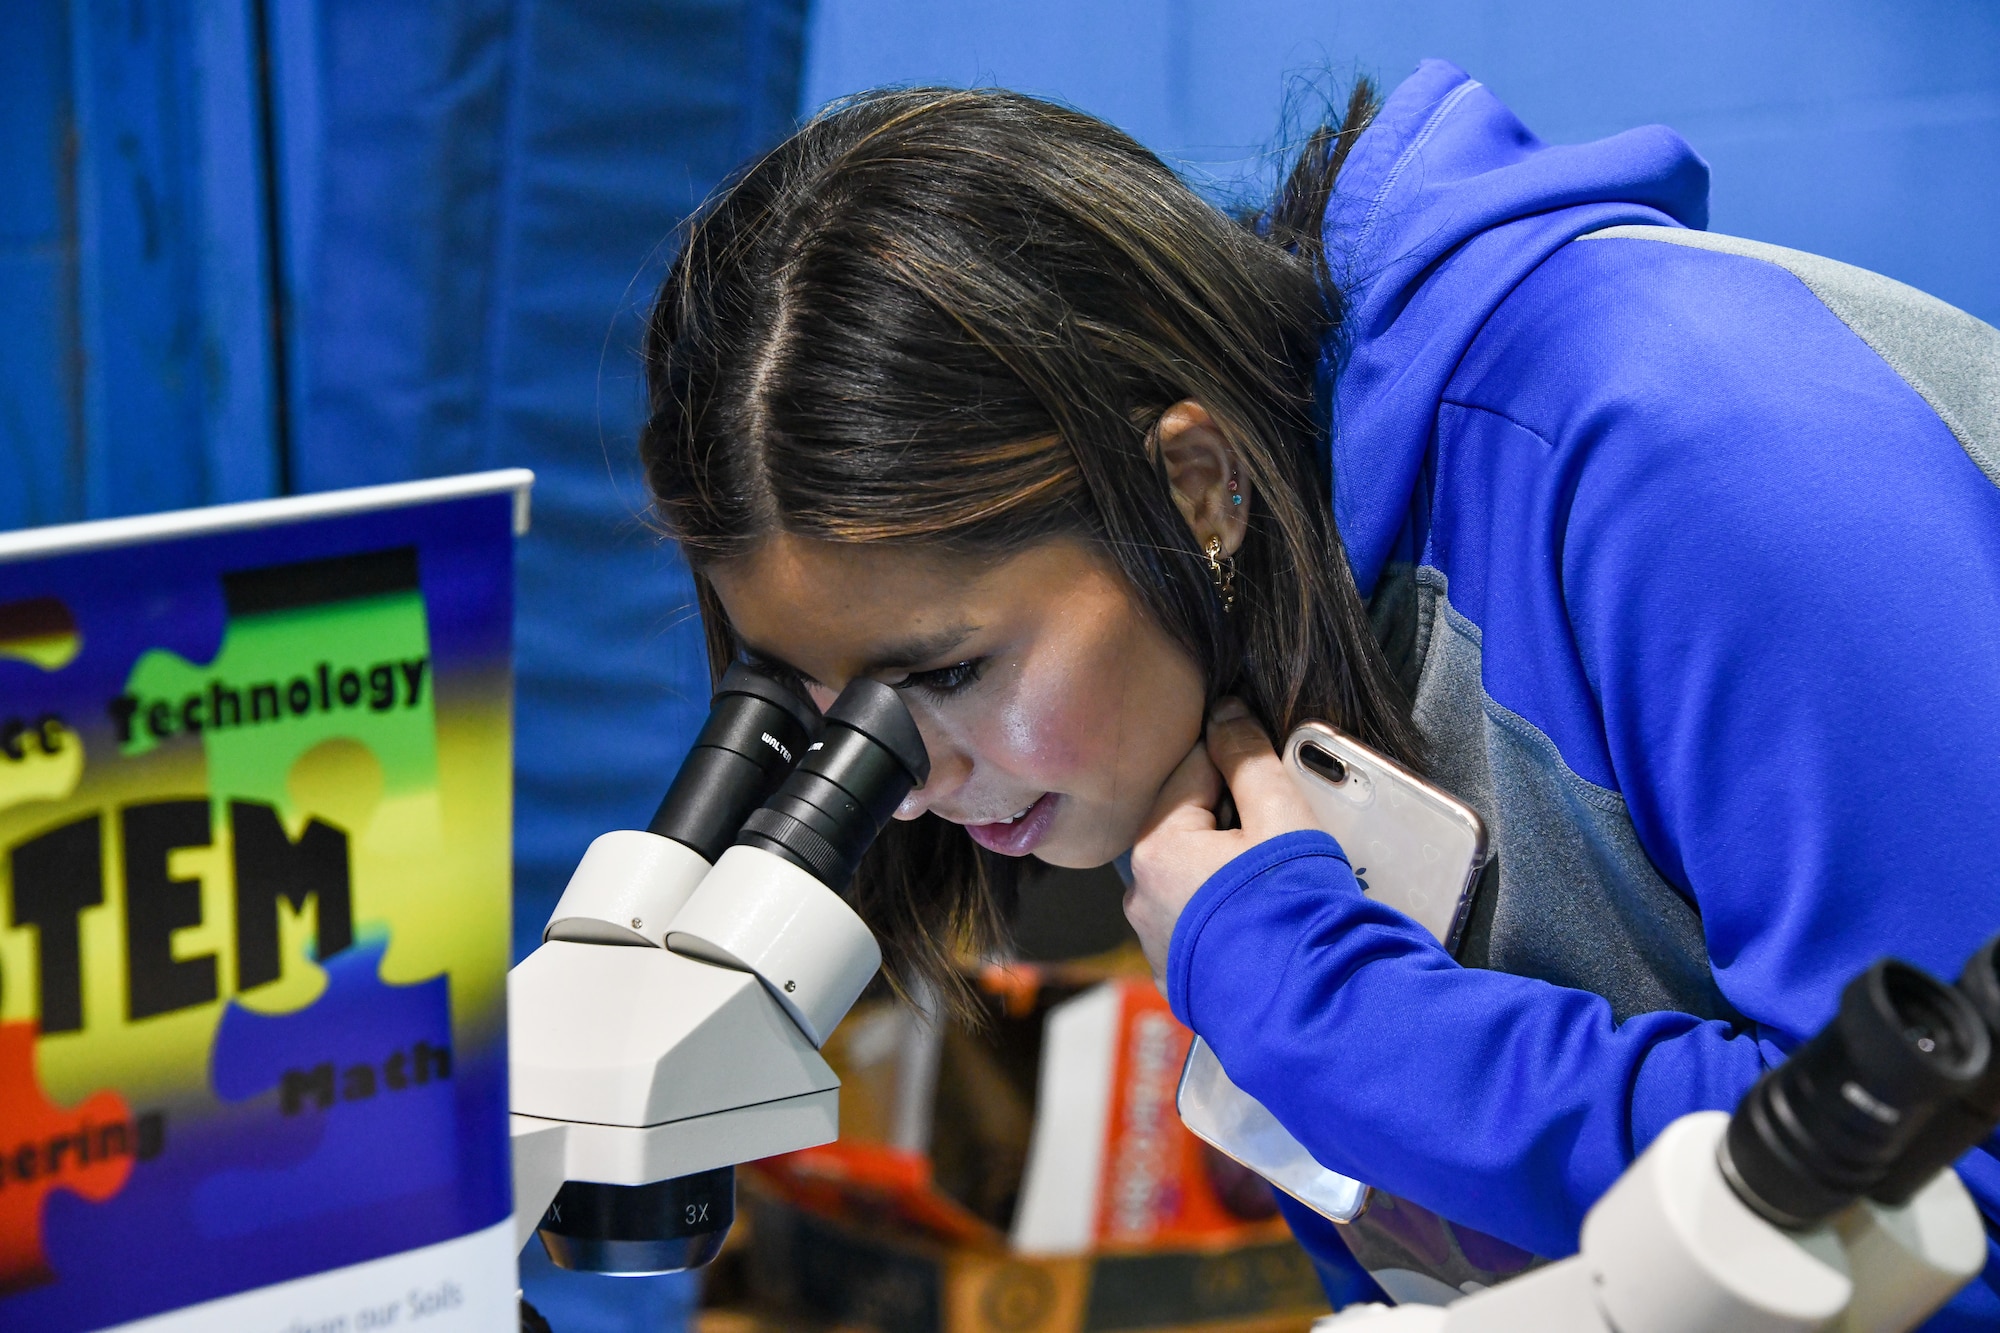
(838, 609)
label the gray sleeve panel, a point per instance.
(1951, 359)
(1579, 903)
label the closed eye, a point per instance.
(944, 681)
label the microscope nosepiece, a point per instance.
(640, 1230)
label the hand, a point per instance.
(1180, 847)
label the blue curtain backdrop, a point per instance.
(252, 247)
(492, 185)
(136, 367)
(1867, 130)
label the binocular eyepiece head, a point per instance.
(1886, 1095)
(767, 772)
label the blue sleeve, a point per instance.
(1501, 1102)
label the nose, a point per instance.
(950, 766)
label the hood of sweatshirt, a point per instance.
(1445, 203)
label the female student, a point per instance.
(1677, 556)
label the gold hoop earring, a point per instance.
(1222, 569)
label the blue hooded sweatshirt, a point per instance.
(1688, 550)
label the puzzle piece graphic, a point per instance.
(39, 630)
(43, 1147)
(367, 1068)
(329, 650)
(44, 763)
(320, 702)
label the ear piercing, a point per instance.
(1234, 497)
(1222, 571)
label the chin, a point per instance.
(1086, 853)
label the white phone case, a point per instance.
(1413, 847)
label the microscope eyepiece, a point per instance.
(756, 731)
(844, 791)
(1962, 1122)
(1830, 1124)
(876, 711)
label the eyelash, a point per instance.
(798, 680)
(939, 684)
(945, 681)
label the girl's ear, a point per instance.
(1201, 467)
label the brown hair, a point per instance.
(954, 318)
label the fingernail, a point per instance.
(1229, 709)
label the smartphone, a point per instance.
(1413, 847)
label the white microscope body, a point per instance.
(669, 1026)
(636, 1064)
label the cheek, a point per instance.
(1041, 730)
(1065, 726)
(1033, 731)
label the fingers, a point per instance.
(1236, 743)
(1266, 797)
(1175, 854)
(1189, 797)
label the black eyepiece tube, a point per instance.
(1964, 1122)
(845, 789)
(1828, 1125)
(755, 733)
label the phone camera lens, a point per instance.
(1323, 762)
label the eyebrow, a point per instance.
(911, 653)
(903, 656)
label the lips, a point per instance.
(1022, 834)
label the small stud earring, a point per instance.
(1234, 498)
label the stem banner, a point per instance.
(255, 833)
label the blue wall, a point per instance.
(1867, 130)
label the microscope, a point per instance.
(1825, 1201)
(669, 1025)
